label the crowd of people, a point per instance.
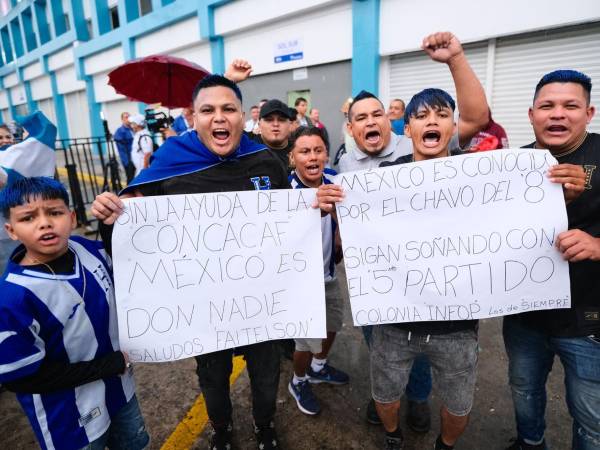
(58, 338)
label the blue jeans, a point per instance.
(126, 431)
(419, 381)
(531, 355)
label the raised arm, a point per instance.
(470, 97)
(238, 71)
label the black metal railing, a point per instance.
(89, 166)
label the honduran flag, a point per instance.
(185, 154)
(34, 156)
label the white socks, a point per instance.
(297, 380)
(317, 364)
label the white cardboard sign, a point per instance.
(465, 237)
(200, 273)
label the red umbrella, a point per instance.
(158, 79)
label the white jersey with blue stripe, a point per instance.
(328, 226)
(44, 316)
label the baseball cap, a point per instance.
(138, 119)
(275, 106)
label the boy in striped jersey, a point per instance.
(308, 157)
(59, 347)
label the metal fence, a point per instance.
(88, 166)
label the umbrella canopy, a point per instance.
(158, 79)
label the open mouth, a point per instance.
(220, 134)
(557, 128)
(372, 137)
(431, 138)
(49, 238)
(313, 169)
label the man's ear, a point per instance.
(349, 128)
(407, 130)
(73, 220)
(590, 113)
(530, 113)
(10, 231)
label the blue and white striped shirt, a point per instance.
(43, 316)
(328, 226)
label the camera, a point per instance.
(155, 121)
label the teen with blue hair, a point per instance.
(375, 143)
(59, 346)
(559, 115)
(450, 346)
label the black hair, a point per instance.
(300, 100)
(566, 76)
(429, 98)
(23, 190)
(309, 131)
(214, 81)
(362, 95)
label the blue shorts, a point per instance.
(127, 430)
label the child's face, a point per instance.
(309, 156)
(430, 130)
(43, 226)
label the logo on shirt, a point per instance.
(261, 183)
(103, 278)
(591, 315)
(87, 418)
(589, 170)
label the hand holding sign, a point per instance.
(200, 273)
(465, 237)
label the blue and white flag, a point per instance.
(35, 156)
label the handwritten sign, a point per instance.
(465, 237)
(200, 273)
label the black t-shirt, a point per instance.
(583, 318)
(261, 170)
(431, 327)
(282, 154)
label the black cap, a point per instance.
(275, 106)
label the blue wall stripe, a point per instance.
(60, 110)
(365, 46)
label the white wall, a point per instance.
(32, 71)
(17, 95)
(3, 100)
(165, 40)
(103, 91)
(41, 87)
(198, 54)
(61, 59)
(67, 81)
(11, 80)
(404, 23)
(326, 34)
(77, 114)
(241, 14)
(47, 107)
(104, 61)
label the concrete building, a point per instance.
(56, 53)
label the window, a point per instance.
(145, 7)
(114, 17)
